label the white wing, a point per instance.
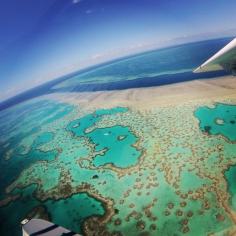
(43, 228)
(225, 59)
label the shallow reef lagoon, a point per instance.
(120, 171)
(116, 171)
(219, 120)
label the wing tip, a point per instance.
(198, 70)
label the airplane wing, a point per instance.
(225, 59)
(39, 227)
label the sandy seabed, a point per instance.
(147, 98)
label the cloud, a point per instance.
(76, 1)
(89, 11)
(96, 56)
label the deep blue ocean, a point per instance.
(153, 68)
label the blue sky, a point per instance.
(43, 39)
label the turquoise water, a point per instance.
(230, 176)
(12, 168)
(59, 168)
(220, 120)
(18, 124)
(115, 142)
(72, 212)
(23, 139)
(118, 152)
(79, 126)
(43, 139)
